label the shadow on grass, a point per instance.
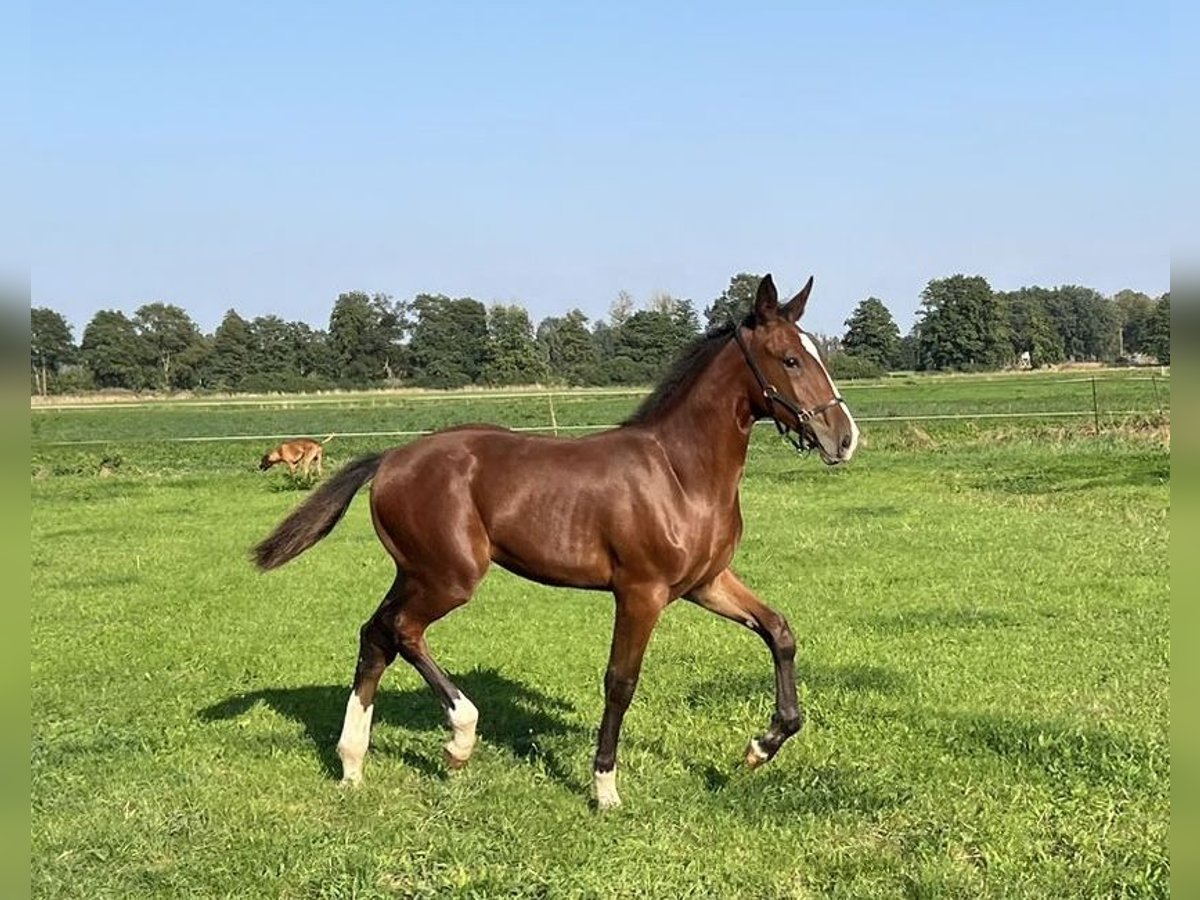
(855, 677)
(73, 532)
(512, 715)
(1083, 474)
(937, 619)
(1060, 751)
(793, 474)
(790, 789)
(100, 582)
(880, 511)
(96, 488)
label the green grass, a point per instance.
(983, 625)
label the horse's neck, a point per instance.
(707, 433)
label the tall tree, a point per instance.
(350, 338)
(395, 325)
(310, 350)
(1086, 322)
(191, 365)
(1030, 328)
(621, 309)
(449, 340)
(1158, 331)
(169, 337)
(365, 332)
(274, 361)
(113, 352)
(233, 353)
(512, 353)
(1134, 311)
(51, 346)
(871, 334)
(686, 322)
(735, 301)
(910, 356)
(963, 325)
(647, 343)
(604, 339)
(569, 348)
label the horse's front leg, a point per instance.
(638, 609)
(726, 596)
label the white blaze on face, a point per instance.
(811, 347)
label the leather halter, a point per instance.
(798, 439)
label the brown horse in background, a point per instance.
(648, 510)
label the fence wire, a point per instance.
(553, 424)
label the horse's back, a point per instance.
(561, 511)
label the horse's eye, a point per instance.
(791, 362)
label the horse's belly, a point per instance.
(556, 538)
(567, 559)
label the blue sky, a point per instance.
(267, 156)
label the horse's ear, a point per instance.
(794, 308)
(766, 303)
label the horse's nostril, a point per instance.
(846, 441)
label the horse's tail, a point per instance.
(316, 516)
(328, 439)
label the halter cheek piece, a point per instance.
(798, 439)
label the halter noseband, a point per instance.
(799, 440)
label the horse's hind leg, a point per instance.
(398, 627)
(424, 607)
(376, 650)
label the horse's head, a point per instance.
(798, 391)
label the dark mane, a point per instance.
(691, 361)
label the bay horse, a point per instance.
(648, 510)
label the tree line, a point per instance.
(441, 342)
(964, 325)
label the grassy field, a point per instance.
(982, 613)
(1117, 393)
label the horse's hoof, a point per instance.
(352, 769)
(350, 783)
(607, 797)
(755, 755)
(453, 763)
(606, 803)
(606, 790)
